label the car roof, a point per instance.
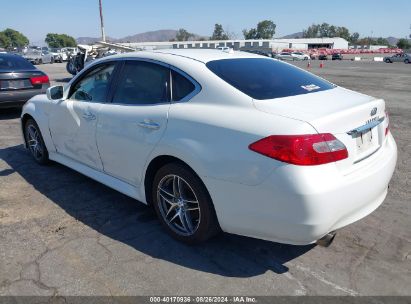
(202, 55)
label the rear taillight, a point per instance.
(303, 150)
(387, 128)
(39, 79)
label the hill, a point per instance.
(293, 36)
(152, 36)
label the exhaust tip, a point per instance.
(327, 239)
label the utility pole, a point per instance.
(103, 34)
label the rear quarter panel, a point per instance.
(212, 135)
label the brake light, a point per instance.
(303, 150)
(387, 117)
(39, 79)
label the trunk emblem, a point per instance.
(373, 111)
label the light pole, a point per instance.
(103, 34)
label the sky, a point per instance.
(128, 17)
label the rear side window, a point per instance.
(14, 63)
(181, 86)
(143, 83)
(262, 78)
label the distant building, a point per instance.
(274, 44)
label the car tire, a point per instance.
(51, 60)
(35, 143)
(40, 61)
(406, 61)
(183, 204)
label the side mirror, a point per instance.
(55, 93)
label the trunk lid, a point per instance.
(340, 112)
(18, 80)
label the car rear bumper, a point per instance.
(10, 99)
(299, 205)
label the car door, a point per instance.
(74, 120)
(131, 126)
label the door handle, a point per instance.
(89, 116)
(149, 124)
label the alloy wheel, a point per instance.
(178, 205)
(34, 142)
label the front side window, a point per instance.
(143, 83)
(93, 87)
(182, 87)
(267, 78)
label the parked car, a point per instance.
(337, 56)
(322, 57)
(70, 51)
(19, 81)
(402, 57)
(224, 48)
(300, 56)
(285, 56)
(39, 57)
(220, 141)
(58, 55)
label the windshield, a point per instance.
(263, 78)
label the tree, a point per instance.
(381, 41)
(219, 33)
(313, 31)
(342, 32)
(183, 35)
(354, 38)
(364, 41)
(12, 38)
(324, 30)
(60, 40)
(5, 41)
(250, 34)
(327, 30)
(404, 44)
(265, 30)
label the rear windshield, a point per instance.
(262, 78)
(14, 62)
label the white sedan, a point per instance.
(218, 140)
(300, 56)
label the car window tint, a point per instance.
(14, 62)
(143, 83)
(181, 86)
(93, 86)
(262, 78)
